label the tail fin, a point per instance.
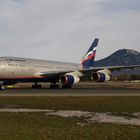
(88, 60)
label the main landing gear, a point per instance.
(36, 86)
(57, 86)
(66, 86)
(54, 86)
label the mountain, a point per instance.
(120, 57)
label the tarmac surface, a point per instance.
(83, 89)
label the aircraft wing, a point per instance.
(113, 68)
(52, 73)
(80, 73)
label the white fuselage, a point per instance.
(13, 67)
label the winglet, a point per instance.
(88, 60)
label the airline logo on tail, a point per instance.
(88, 60)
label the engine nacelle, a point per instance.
(69, 79)
(101, 75)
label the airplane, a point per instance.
(14, 70)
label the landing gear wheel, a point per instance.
(33, 86)
(66, 86)
(36, 86)
(2, 87)
(54, 86)
(39, 86)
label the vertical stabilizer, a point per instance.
(88, 60)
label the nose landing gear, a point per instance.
(2, 87)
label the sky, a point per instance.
(63, 30)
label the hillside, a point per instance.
(120, 57)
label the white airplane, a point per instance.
(14, 70)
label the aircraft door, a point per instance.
(30, 68)
(2, 66)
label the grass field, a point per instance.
(38, 126)
(97, 104)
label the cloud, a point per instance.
(63, 30)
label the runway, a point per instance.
(79, 90)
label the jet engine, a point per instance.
(101, 75)
(69, 79)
